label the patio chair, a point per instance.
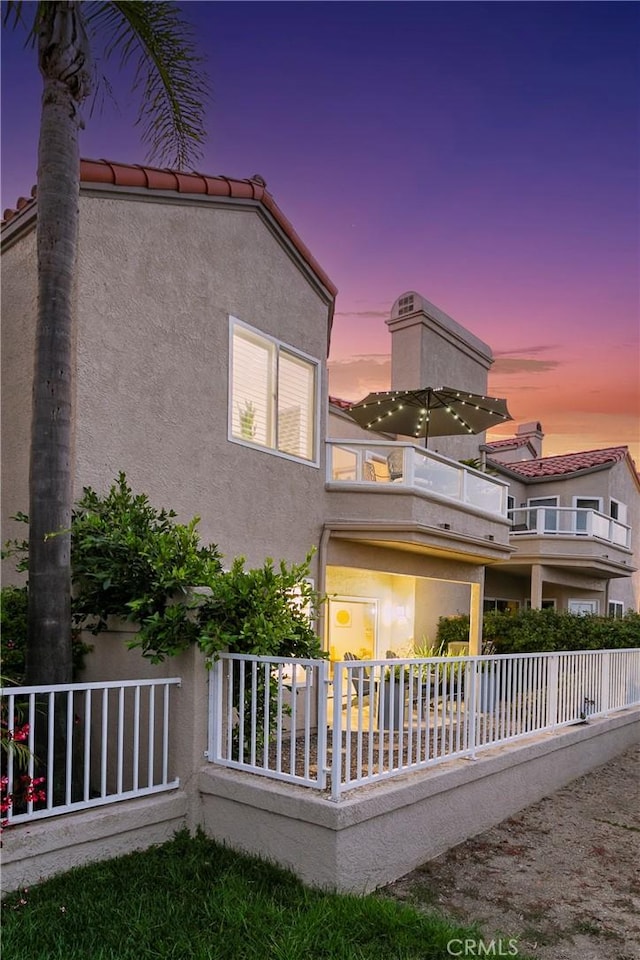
(376, 471)
(395, 464)
(360, 678)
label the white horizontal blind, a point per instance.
(296, 394)
(252, 391)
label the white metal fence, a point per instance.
(343, 724)
(92, 743)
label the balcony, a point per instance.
(569, 521)
(403, 467)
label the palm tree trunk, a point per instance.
(63, 56)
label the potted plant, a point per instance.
(247, 414)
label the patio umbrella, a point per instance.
(429, 412)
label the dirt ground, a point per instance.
(563, 875)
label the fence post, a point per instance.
(605, 674)
(553, 675)
(322, 720)
(336, 735)
(214, 745)
(474, 716)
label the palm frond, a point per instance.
(169, 76)
(14, 16)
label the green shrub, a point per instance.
(132, 561)
(13, 624)
(532, 631)
(268, 610)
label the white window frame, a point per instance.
(620, 508)
(615, 609)
(595, 604)
(582, 518)
(549, 506)
(235, 322)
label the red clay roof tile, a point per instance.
(507, 443)
(342, 404)
(567, 462)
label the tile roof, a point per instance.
(506, 443)
(154, 178)
(567, 462)
(342, 404)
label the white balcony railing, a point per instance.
(339, 725)
(575, 521)
(370, 464)
(88, 744)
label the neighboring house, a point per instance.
(202, 327)
(573, 522)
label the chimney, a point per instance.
(429, 349)
(532, 432)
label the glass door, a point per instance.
(352, 627)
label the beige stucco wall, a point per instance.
(19, 300)
(157, 283)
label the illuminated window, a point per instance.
(273, 394)
(494, 604)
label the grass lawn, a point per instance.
(192, 899)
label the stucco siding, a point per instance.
(19, 309)
(157, 283)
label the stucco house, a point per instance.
(573, 519)
(202, 331)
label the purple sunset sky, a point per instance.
(483, 154)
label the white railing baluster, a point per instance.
(241, 712)
(165, 734)
(254, 711)
(136, 738)
(152, 734)
(86, 780)
(104, 742)
(51, 754)
(120, 752)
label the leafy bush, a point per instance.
(133, 561)
(268, 611)
(532, 631)
(13, 624)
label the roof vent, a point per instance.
(405, 305)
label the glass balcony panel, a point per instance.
(344, 464)
(483, 493)
(442, 478)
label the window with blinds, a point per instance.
(273, 394)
